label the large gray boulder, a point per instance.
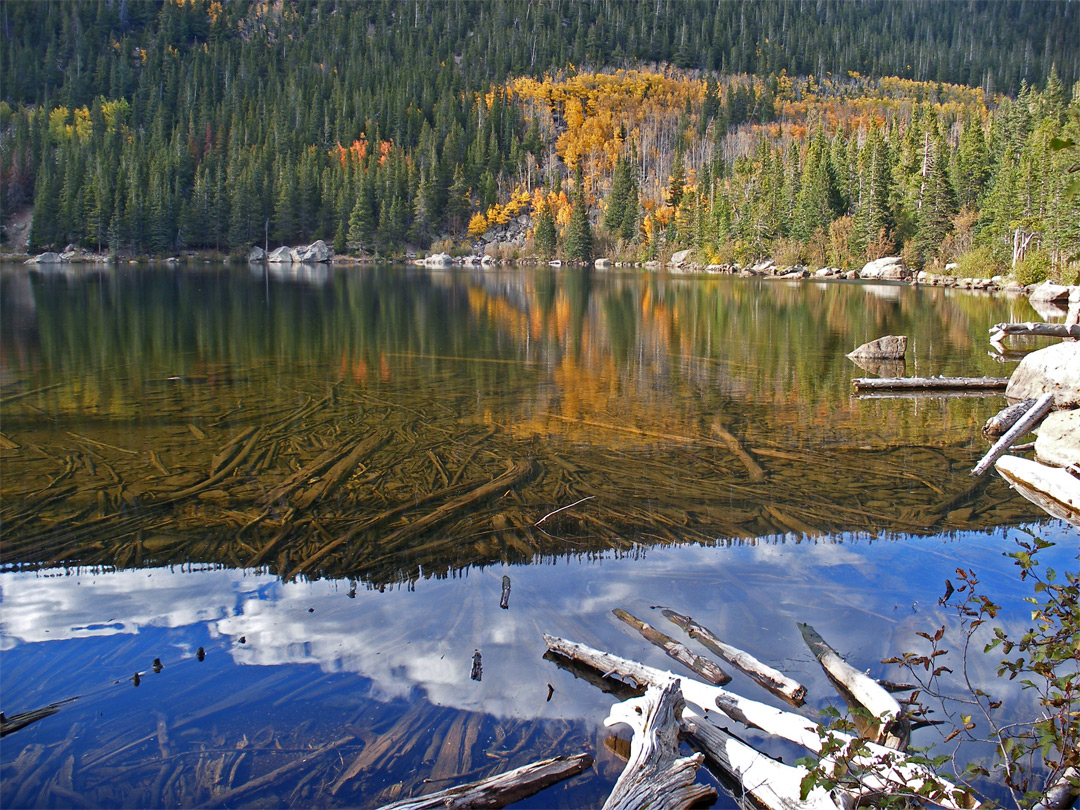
(281, 255)
(256, 255)
(314, 253)
(679, 258)
(1049, 293)
(1055, 369)
(890, 268)
(1058, 442)
(439, 260)
(45, 258)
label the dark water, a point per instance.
(322, 481)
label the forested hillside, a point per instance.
(824, 132)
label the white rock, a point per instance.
(439, 260)
(45, 258)
(256, 254)
(314, 253)
(281, 255)
(602, 264)
(890, 268)
(679, 257)
(1050, 293)
(1055, 369)
(1058, 442)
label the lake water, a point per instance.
(326, 479)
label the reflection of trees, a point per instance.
(609, 387)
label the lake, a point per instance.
(292, 503)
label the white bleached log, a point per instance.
(1022, 425)
(775, 681)
(892, 728)
(655, 776)
(892, 767)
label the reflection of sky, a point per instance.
(867, 597)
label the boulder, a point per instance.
(602, 264)
(439, 260)
(764, 267)
(652, 265)
(1055, 369)
(1058, 442)
(890, 347)
(256, 254)
(281, 255)
(890, 268)
(679, 258)
(1049, 293)
(315, 252)
(45, 258)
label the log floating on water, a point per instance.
(1022, 425)
(680, 652)
(1058, 330)
(1004, 419)
(931, 383)
(775, 681)
(892, 729)
(885, 767)
(502, 789)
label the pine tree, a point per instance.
(362, 222)
(546, 237)
(937, 209)
(622, 199)
(578, 245)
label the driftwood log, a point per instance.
(1063, 793)
(892, 728)
(1022, 425)
(680, 652)
(1058, 330)
(775, 681)
(1004, 419)
(885, 766)
(930, 383)
(655, 776)
(500, 790)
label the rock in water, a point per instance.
(1058, 442)
(1055, 369)
(281, 255)
(256, 254)
(891, 268)
(316, 252)
(890, 347)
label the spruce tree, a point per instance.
(578, 246)
(545, 237)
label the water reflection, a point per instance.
(279, 652)
(380, 423)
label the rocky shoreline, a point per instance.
(1057, 300)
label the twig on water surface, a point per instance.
(563, 509)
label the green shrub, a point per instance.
(1033, 268)
(978, 263)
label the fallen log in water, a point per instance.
(884, 767)
(892, 728)
(1004, 419)
(775, 681)
(702, 666)
(1022, 425)
(500, 790)
(930, 383)
(655, 775)
(1058, 330)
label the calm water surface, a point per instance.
(322, 480)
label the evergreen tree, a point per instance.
(545, 237)
(578, 245)
(622, 199)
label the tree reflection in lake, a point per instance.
(372, 432)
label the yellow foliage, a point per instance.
(58, 118)
(82, 127)
(478, 225)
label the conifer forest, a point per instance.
(824, 132)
